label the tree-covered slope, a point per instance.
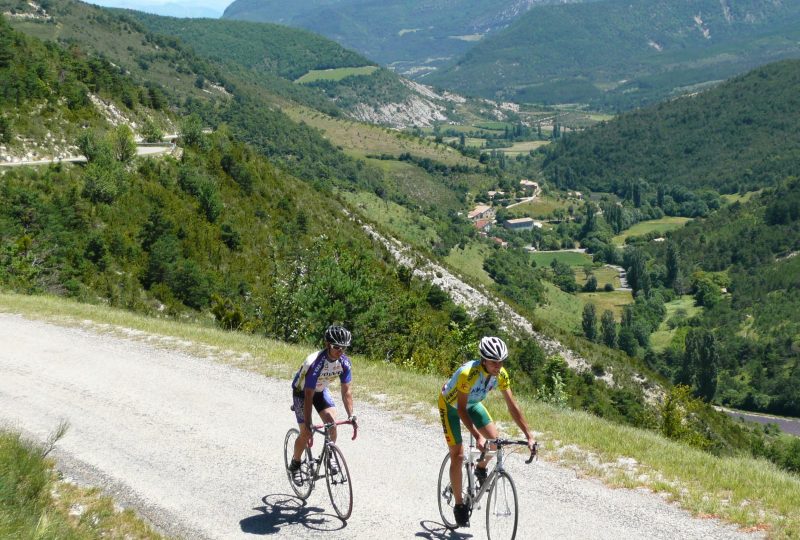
(741, 135)
(741, 265)
(621, 53)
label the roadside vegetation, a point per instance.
(36, 503)
(752, 493)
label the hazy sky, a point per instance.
(186, 8)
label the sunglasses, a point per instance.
(338, 348)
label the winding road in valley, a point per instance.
(196, 447)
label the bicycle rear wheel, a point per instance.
(444, 493)
(501, 509)
(306, 466)
(340, 488)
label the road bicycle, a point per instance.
(502, 509)
(336, 473)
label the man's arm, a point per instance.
(347, 399)
(516, 414)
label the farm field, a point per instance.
(572, 258)
(735, 197)
(524, 147)
(614, 301)
(662, 225)
(335, 74)
(561, 309)
(604, 274)
(415, 183)
(541, 207)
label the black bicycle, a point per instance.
(502, 508)
(336, 473)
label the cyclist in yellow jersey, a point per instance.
(460, 401)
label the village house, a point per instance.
(483, 224)
(520, 224)
(528, 185)
(481, 211)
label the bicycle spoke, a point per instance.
(445, 496)
(501, 509)
(340, 488)
(306, 467)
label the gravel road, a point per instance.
(196, 447)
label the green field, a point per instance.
(360, 140)
(541, 207)
(469, 261)
(604, 274)
(335, 74)
(524, 147)
(571, 258)
(662, 225)
(735, 197)
(411, 227)
(661, 338)
(613, 301)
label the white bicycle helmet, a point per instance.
(338, 335)
(493, 348)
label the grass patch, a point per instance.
(604, 274)
(524, 147)
(663, 336)
(560, 309)
(34, 503)
(411, 227)
(735, 197)
(750, 493)
(541, 207)
(335, 74)
(614, 301)
(571, 258)
(469, 261)
(360, 140)
(662, 225)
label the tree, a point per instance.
(673, 264)
(192, 131)
(609, 328)
(589, 322)
(591, 284)
(123, 145)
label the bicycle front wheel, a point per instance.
(303, 487)
(340, 488)
(444, 493)
(501, 509)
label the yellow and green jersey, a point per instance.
(474, 380)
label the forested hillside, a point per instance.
(741, 265)
(740, 136)
(619, 54)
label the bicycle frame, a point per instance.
(475, 494)
(324, 430)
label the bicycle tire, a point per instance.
(444, 493)
(306, 466)
(340, 487)
(502, 508)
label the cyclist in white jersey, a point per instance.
(310, 387)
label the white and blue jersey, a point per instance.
(318, 371)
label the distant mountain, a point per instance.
(624, 53)
(411, 36)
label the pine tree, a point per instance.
(609, 328)
(590, 322)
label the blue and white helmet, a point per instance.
(338, 335)
(493, 348)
